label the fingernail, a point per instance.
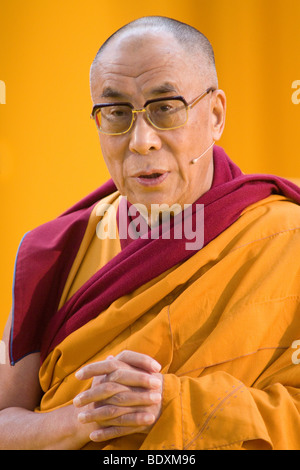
(79, 374)
(154, 382)
(156, 366)
(155, 397)
(148, 419)
(94, 435)
(77, 401)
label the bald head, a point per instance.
(190, 39)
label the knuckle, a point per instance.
(111, 411)
(115, 365)
(123, 355)
(114, 362)
(97, 380)
(123, 420)
(115, 376)
(109, 387)
(119, 399)
(118, 431)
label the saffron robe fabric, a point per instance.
(222, 321)
(47, 253)
(223, 326)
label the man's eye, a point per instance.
(162, 108)
(165, 107)
(118, 112)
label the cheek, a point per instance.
(109, 148)
(199, 130)
(113, 154)
(187, 146)
(113, 148)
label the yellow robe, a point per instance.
(223, 324)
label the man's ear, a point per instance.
(218, 112)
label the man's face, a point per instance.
(136, 69)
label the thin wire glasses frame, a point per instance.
(188, 106)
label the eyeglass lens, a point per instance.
(164, 114)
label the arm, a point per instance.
(22, 428)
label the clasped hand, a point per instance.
(124, 398)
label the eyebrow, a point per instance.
(166, 87)
(109, 92)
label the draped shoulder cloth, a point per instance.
(222, 320)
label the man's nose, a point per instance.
(144, 137)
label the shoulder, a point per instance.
(272, 216)
(260, 252)
(263, 230)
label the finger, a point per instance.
(109, 415)
(134, 398)
(139, 360)
(125, 359)
(112, 432)
(116, 394)
(103, 414)
(134, 378)
(116, 382)
(98, 393)
(100, 368)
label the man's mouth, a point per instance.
(153, 175)
(151, 178)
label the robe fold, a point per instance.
(223, 321)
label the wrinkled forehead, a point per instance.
(143, 62)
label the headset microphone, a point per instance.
(196, 159)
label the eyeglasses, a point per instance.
(162, 113)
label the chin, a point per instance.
(150, 199)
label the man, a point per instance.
(124, 343)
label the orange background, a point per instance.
(49, 151)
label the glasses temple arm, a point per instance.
(201, 96)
